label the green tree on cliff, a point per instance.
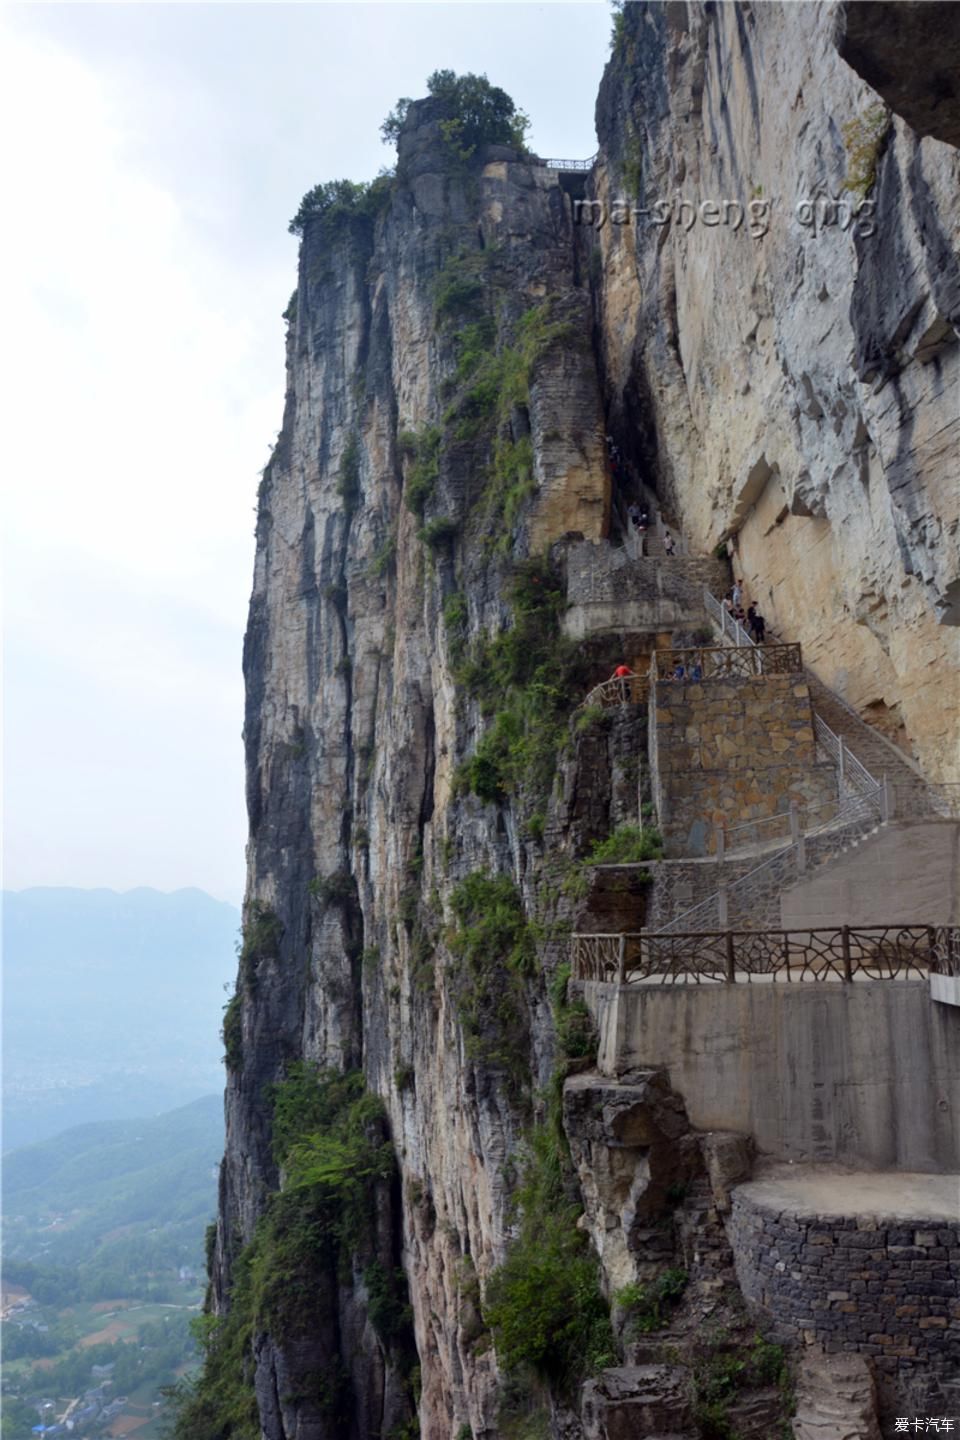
(479, 113)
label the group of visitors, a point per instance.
(639, 516)
(688, 672)
(750, 618)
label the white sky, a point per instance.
(154, 155)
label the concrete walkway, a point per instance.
(880, 1194)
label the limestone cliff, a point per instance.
(792, 384)
(459, 344)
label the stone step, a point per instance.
(836, 1399)
(637, 1400)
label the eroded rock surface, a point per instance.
(793, 388)
(790, 384)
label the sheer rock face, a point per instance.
(795, 387)
(354, 728)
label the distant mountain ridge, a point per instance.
(124, 1193)
(112, 1004)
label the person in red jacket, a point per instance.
(624, 674)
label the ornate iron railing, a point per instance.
(946, 950)
(722, 662)
(843, 953)
(618, 690)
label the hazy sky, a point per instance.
(154, 155)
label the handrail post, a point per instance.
(797, 838)
(722, 904)
(720, 832)
(731, 970)
(845, 951)
(886, 809)
(931, 947)
(622, 961)
(840, 741)
(794, 822)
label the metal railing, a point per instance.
(618, 690)
(842, 953)
(571, 164)
(919, 801)
(738, 635)
(851, 773)
(723, 662)
(730, 628)
(856, 816)
(787, 824)
(946, 950)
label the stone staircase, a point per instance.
(878, 755)
(876, 782)
(753, 900)
(836, 1399)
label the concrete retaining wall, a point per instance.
(867, 1073)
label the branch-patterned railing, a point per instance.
(843, 953)
(722, 662)
(618, 690)
(946, 950)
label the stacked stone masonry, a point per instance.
(732, 751)
(607, 590)
(886, 1289)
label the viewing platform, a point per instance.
(610, 590)
(824, 1045)
(720, 662)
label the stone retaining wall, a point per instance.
(887, 1289)
(733, 750)
(677, 885)
(607, 590)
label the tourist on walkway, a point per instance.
(680, 672)
(736, 594)
(634, 513)
(624, 675)
(759, 627)
(669, 544)
(696, 671)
